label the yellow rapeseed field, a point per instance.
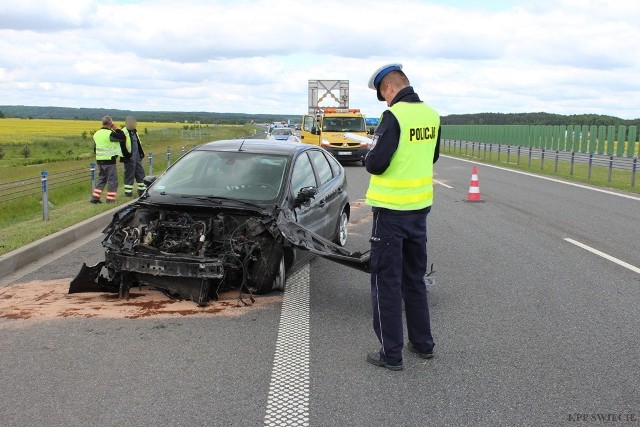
(23, 131)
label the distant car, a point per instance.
(298, 126)
(283, 134)
(238, 212)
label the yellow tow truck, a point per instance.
(342, 131)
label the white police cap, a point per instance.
(378, 75)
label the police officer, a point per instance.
(133, 170)
(404, 148)
(110, 142)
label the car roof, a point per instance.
(258, 146)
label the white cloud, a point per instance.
(568, 56)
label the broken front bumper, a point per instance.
(162, 266)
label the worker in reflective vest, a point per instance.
(109, 143)
(404, 148)
(133, 170)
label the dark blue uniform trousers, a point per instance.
(398, 266)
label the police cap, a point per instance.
(378, 75)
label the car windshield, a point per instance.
(281, 131)
(343, 124)
(234, 175)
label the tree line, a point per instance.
(535, 119)
(541, 118)
(32, 112)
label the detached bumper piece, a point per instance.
(305, 239)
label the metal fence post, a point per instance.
(484, 155)
(590, 163)
(183, 151)
(633, 171)
(490, 150)
(530, 153)
(573, 159)
(45, 195)
(610, 168)
(150, 164)
(499, 146)
(556, 162)
(518, 162)
(92, 167)
(473, 148)
(168, 157)
(508, 153)
(542, 160)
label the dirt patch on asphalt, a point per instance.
(49, 299)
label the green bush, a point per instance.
(26, 151)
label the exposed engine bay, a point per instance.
(196, 253)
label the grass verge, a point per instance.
(27, 231)
(620, 179)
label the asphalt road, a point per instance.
(530, 329)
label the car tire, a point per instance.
(342, 231)
(266, 269)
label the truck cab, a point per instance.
(341, 131)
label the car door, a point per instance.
(309, 123)
(328, 196)
(309, 215)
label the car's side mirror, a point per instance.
(305, 195)
(148, 180)
(315, 131)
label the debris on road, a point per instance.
(49, 300)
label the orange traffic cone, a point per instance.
(474, 187)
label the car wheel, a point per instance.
(281, 278)
(266, 268)
(342, 233)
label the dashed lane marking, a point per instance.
(442, 183)
(604, 255)
(288, 402)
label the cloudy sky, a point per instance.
(256, 56)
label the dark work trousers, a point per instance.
(133, 171)
(398, 266)
(107, 176)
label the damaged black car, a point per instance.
(239, 213)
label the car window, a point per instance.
(309, 122)
(303, 175)
(236, 175)
(322, 166)
(335, 166)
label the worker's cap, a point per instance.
(378, 75)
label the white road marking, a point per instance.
(442, 183)
(573, 184)
(604, 255)
(288, 402)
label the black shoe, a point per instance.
(413, 349)
(128, 194)
(95, 201)
(375, 359)
(140, 193)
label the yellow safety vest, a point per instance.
(105, 148)
(126, 132)
(407, 184)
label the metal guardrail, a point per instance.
(518, 154)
